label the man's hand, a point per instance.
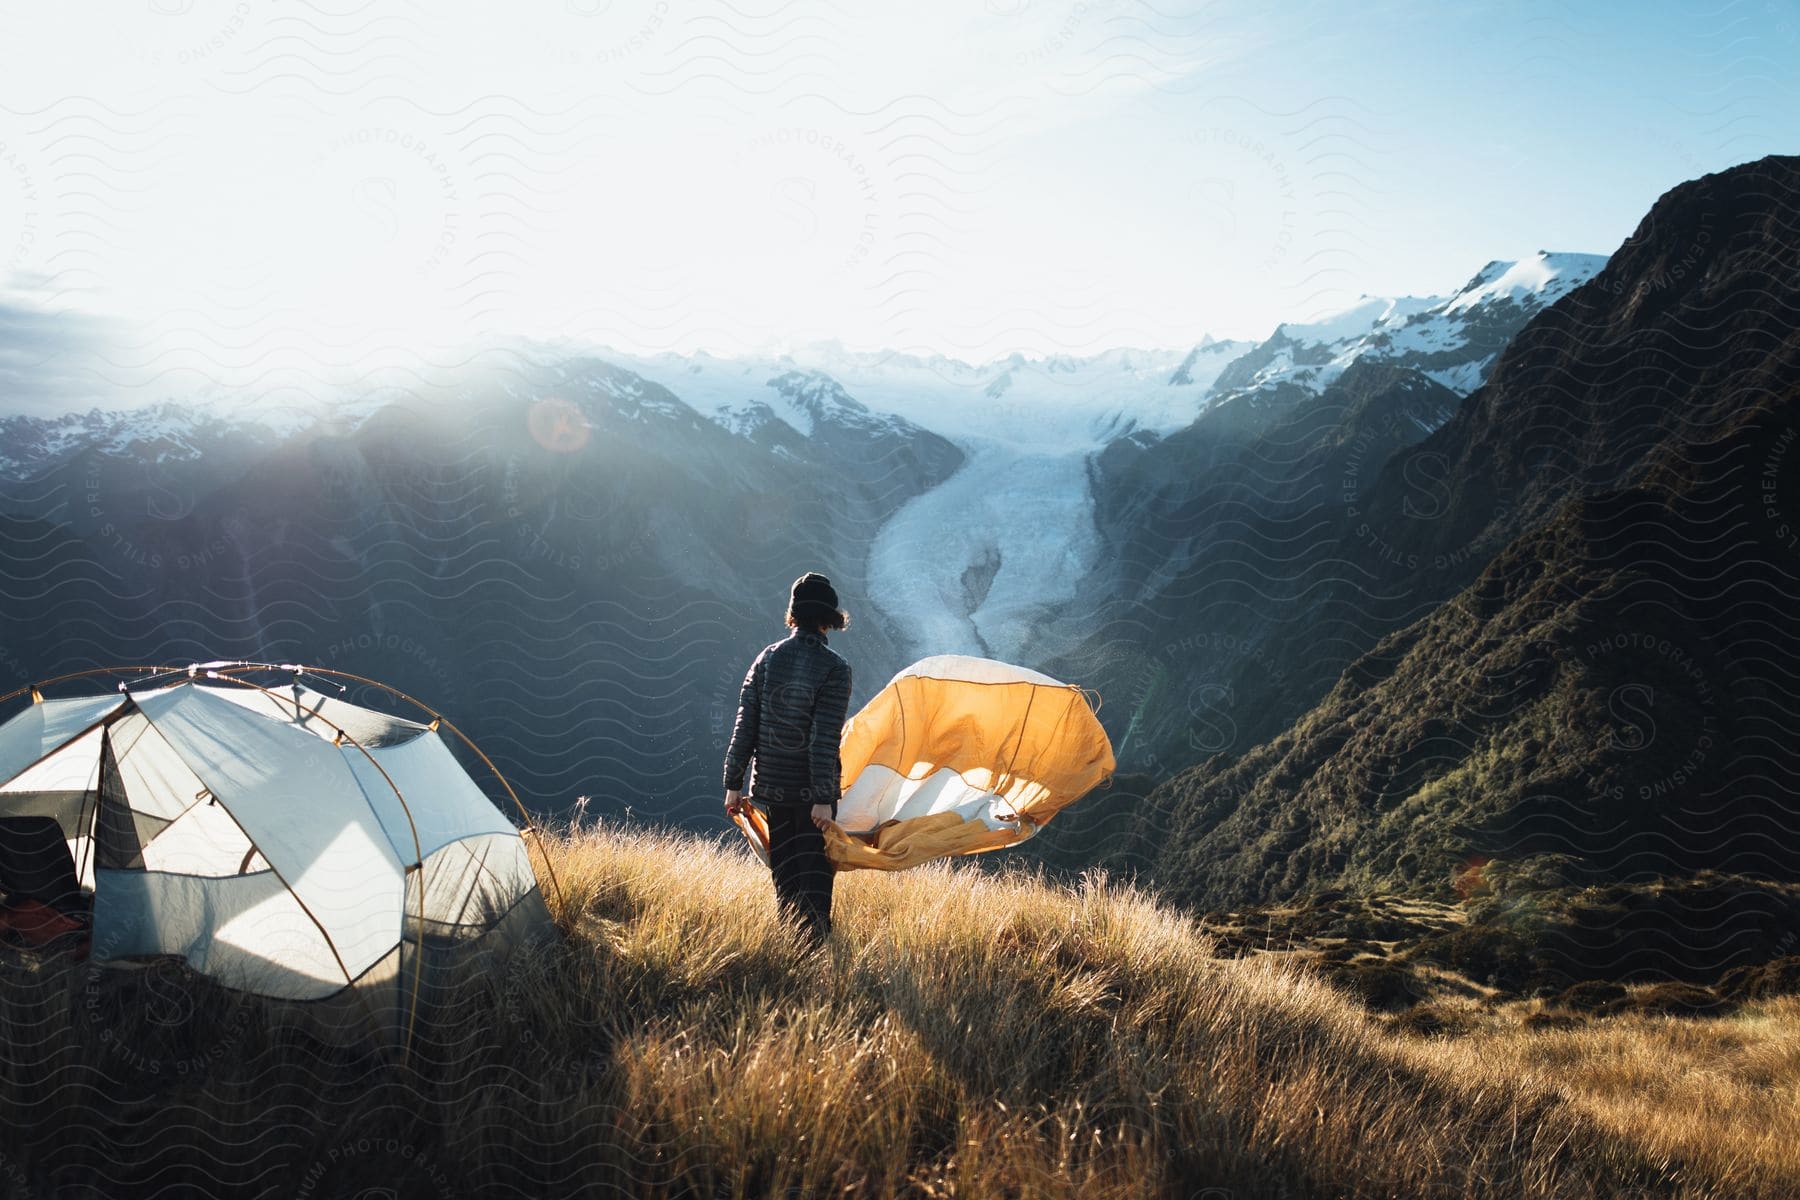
(821, 815)
(734, 802)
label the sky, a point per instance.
(221, 190)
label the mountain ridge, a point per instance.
(956, 504)
(1611, 696)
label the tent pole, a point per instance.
(35, 689)
(530, 821)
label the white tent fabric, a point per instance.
(283, 842)
(204, 841)
(297, 799)
(883, 794)
(424, 767)
(468, 879)
(40, 729)
(73, 769)
(247, 931)
(966, 668)
(324, 716)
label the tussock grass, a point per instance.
(966, 1033)
(973, 1033)
(1722, 1095)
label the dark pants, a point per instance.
(801, 871)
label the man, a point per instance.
(790, 716)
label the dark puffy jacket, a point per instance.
(790, 716)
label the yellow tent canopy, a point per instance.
(957, 755)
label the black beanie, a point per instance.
(813, 596)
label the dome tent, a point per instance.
(957, 755)
(281, 841)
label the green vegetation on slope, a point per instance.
(1611, 698)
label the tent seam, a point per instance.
(102, 723)
(320, 925)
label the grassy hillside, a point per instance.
(1614, 693)
(1247, 572)
(968, 1034)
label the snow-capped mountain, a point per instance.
(974, 564)
(1004, 530)
(563, 533)
(1450, 339)
(969, 564)
(1060, 401)
(746, 395)
(972, 502)
(1059, 404)
(162, 433)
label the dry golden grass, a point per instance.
(977, 1034)
(968, 1033)
(1721, 1095)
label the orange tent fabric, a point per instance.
(957, 755)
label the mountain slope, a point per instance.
(1021, 536)
(1656, 345)
(564, 557)
(1452, 339)
(1614, 693)
(1613, 696)
(972, 564)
